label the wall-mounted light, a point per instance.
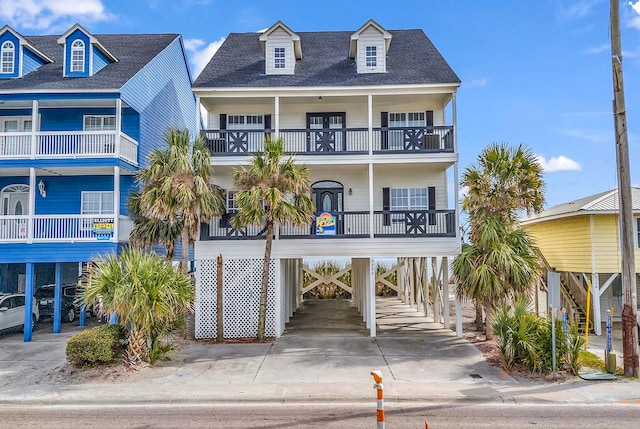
(41, 188)
(320, 98)
(350, 191)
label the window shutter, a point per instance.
(267, 126)
(431, 196)
(224, 219)
(384, 123)
(429, 118)
(223, 121)
(386, 217)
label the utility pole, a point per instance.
(629, 313)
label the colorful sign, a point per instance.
(103, 228)
(22, 230)
(325, 224)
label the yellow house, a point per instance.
(581, 240)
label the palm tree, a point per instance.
(148, 232)
(501, 260)
(177, 191)
(271, 190)
(148, 295)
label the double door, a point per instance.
(326, 132)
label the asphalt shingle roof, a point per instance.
(133, 52)
(412, 59)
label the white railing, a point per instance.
(14, 228)
(66, 228)
(67, 144)
(15, 145)
(128, 148)
(125, 226)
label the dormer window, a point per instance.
(7, 52)
(371, 56)
(279, 59)
(77, 56)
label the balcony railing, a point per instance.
(334, 141)
(66, 228)
(352, 224)
(67, 144)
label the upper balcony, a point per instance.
(335, 141)
(68, 145)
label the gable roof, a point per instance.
(602, 203)
(133, 51)
(294, 37)
(356, 36)
(92, 39)
(25, 43)
(412, 59)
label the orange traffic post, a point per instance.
(377, 377)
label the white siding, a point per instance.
(371, 37)
(279, 39)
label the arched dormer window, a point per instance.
(7, 52)
(77, 56)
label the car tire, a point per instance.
(33, 323)
(70, 315)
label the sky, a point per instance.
(536, 73)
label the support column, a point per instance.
(371, 214)
(370, 122)
(32, 204)
(28, 301)
(276, 119)
(458, 315)
(595, 298)
(198, 116)
(371, 287)
(57, 299)
(456, 186)
(35, 127)
(436, 290)
(425, 286)
(118, 127)
(445, 291)
(116, 203)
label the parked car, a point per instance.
(12, 311)
(70, 308)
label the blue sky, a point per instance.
(533, 72)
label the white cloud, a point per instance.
(46, 15)
(478, 82)
(576, 9)
(598, 49)
(634, 21)
(558, 163)
(200, 53)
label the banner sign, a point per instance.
(103, 228)
(325, 224)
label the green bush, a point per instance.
(96, 346)
(525, 339)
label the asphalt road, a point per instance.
(342, 415)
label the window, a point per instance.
(403, 120)
(77, 56)
(279, 58)
(8, 57)
(408, 199)
(97, 202)
(245, 122)
(371, 56)
(100, 123)
(232, 207)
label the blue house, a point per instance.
(79, 113)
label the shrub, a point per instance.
(574, 356)
(525, 339)
(96, 346)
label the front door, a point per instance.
(329, 135)
(328, 197)
(17, 204)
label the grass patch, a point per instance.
(589, 360)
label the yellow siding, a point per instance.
(565, 243)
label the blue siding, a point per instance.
(30, 61)
(69, 119)
(78, 34)
(99, 61)
(162, 93)
(127, 185)
(131, 123)
(7, 180)
(7, 35)
(15, 112)
(54, 252)
(64, 193)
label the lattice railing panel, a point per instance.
(241, 295)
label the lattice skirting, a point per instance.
(241, 298)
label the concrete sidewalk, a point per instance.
(431, 365)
